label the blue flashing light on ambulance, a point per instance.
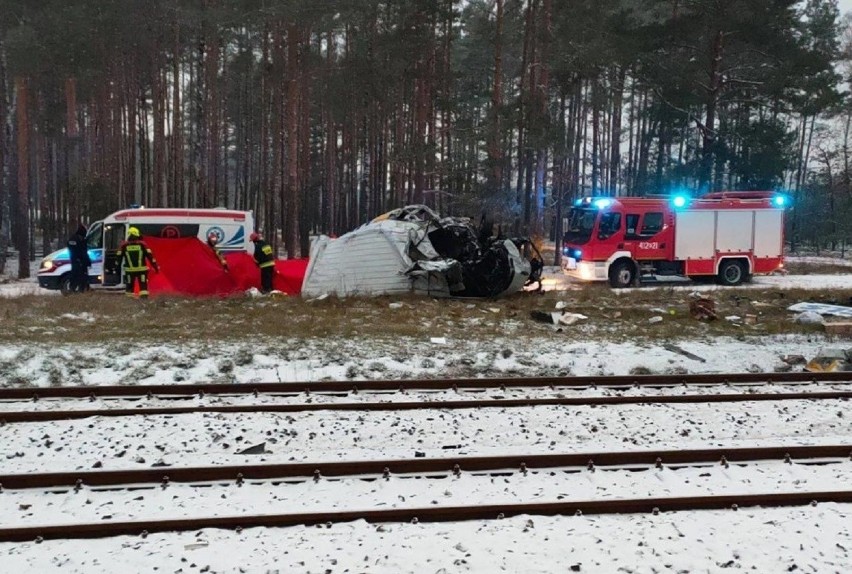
(232, 227)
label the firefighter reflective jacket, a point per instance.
(263, 254)
(135, 254)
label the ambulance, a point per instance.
(104, 237)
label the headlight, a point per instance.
(47, 264)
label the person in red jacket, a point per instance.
(265, 259)
(136, 255)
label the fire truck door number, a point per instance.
(649, 245)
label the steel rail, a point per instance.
(55, 415)
(645, 381)
(366, 468)
(427, 514)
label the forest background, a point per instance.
(320, 114)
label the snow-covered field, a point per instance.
(810, 539)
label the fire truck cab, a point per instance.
(729, 235)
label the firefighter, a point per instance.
(213, 243)
(136, 255)
(264, 259)
(78, 252)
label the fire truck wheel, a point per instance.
(622, 274)
(731, 272)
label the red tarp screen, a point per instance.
(189, 267)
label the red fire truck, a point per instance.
(730, 235)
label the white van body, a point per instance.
(104, 238)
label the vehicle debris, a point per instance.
(259, 448)
(703, 309)
(808, 318)
(822, 309)
(684, 352)
(414, 249)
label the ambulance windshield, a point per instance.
(581, 223)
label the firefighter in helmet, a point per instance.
(264, 259)
(213, 243)
(135, 255)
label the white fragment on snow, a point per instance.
(438, 340)
(571, 318)
(655, 319)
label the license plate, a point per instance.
(570, 263)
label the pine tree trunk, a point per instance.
(4, 182)
(177, 187)
(495, 146)
(23, 214)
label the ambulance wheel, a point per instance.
(731, 272)
(622, 274)
(65, 284)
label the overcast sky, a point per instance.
(845, 6)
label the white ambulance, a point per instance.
(233, 229)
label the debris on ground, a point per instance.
(256, 449)
(684, 352)
(822, 309)
(702, 308)
(831, 360)
(413, 249)
(656, 319)
(733, 318)
(808, 318)
(563, 318)
(794, 359)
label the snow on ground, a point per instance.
(819, 260)
(342, 359)
(554, 279)
(811, 539)
(200, 439)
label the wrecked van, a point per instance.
(414, 250)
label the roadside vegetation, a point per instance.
(613, 315)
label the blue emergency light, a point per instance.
(603, 203)
(679, 200)
(779, 200)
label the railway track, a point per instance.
(450, 465)
(135, 480)
(325, 389)
(426, 514)
(345, 387)
(55, 415)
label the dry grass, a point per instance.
(812, 268)
(99, 317)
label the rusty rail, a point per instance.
(428, 514)
(645, 381)
(54, 415)
(516, 463)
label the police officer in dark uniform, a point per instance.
(264, 259)
(136, 255)
(78, 252)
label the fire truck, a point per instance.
(728, 235)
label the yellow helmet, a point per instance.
(133, 232)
